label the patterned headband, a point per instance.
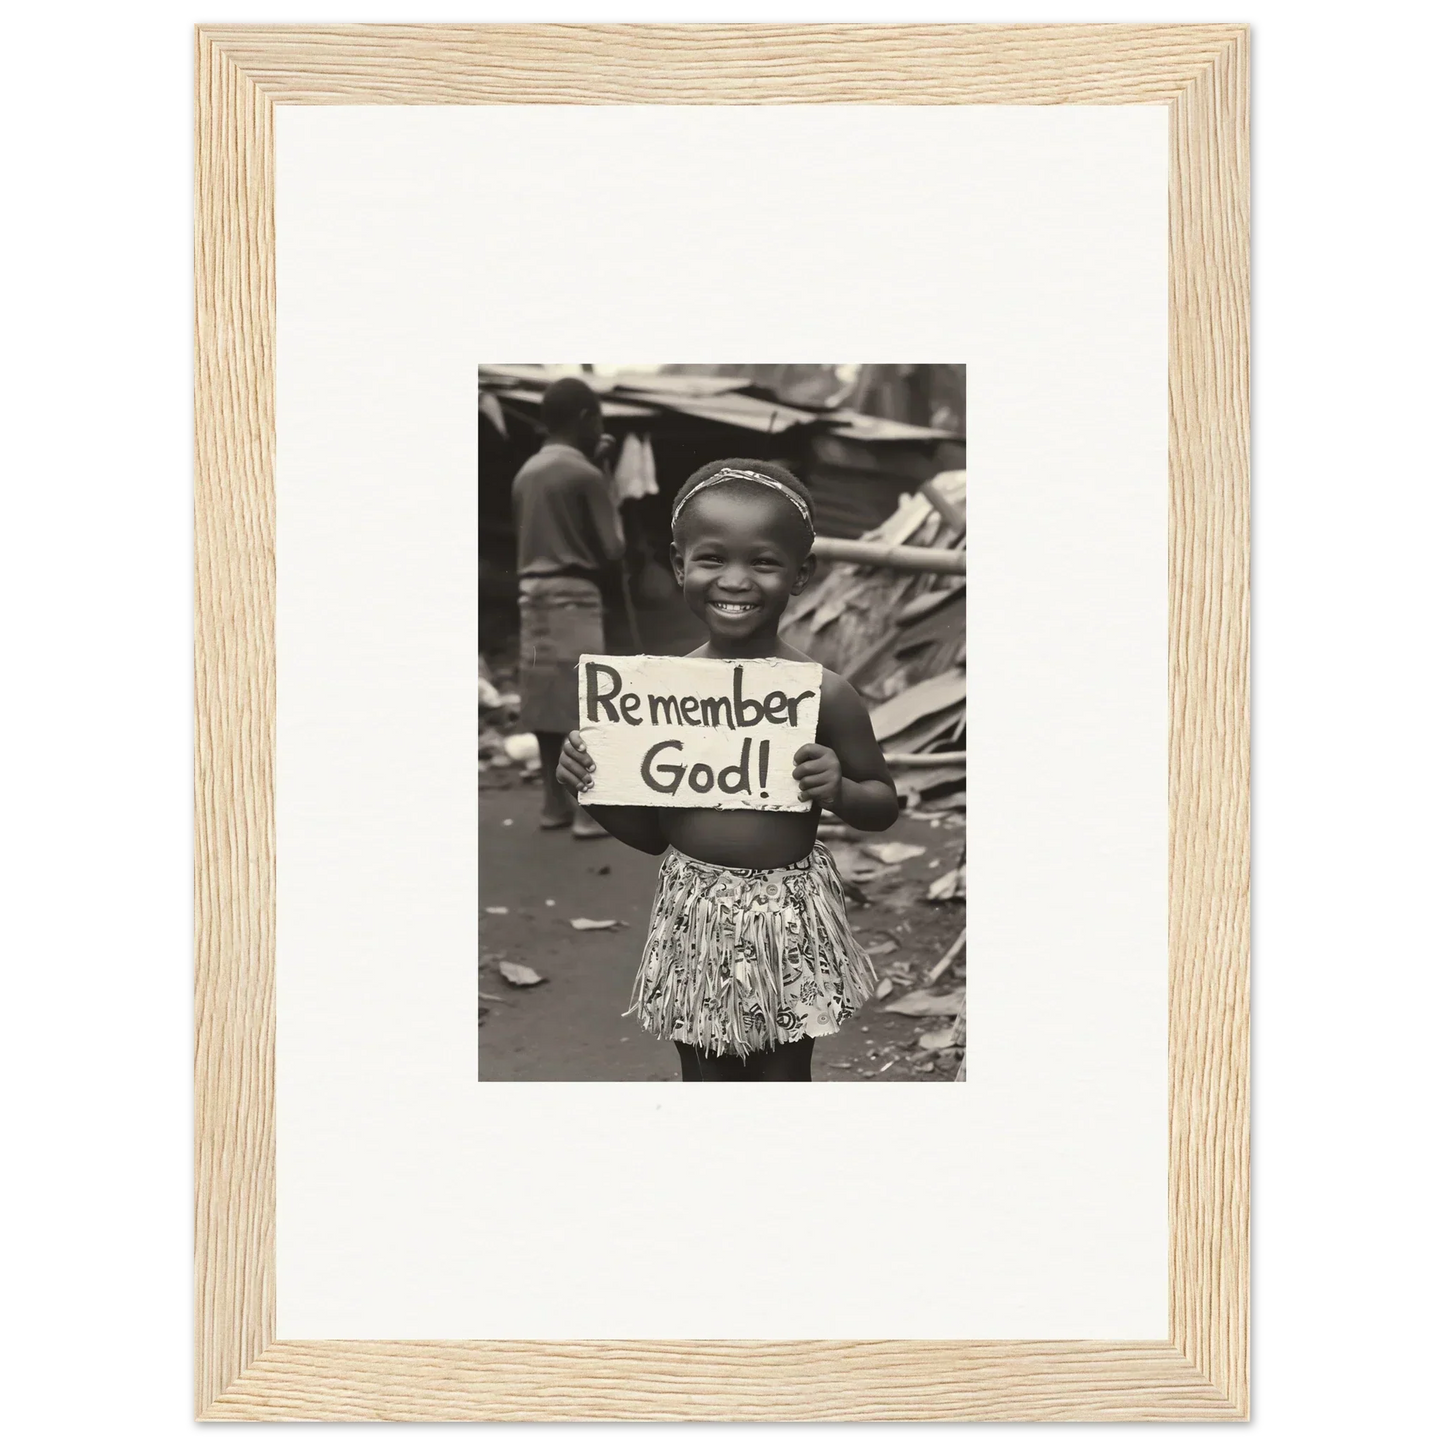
(727, 473)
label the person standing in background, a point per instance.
(569, 535)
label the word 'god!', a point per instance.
(605, 700)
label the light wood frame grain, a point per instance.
(1201, 1371)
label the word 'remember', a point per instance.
(739, 711)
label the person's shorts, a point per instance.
(561, 619)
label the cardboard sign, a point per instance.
(691, 732)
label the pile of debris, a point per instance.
(890, 617)
(498, 745)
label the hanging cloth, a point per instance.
(491, 408)
(636, 473)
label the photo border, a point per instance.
(1201, 1371)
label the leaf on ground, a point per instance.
(879, 949)
(946, 885)
(893, 852)
(491, 997)
(899, 897)
(519, 975)
(938, 1039)
(496, 910)
(856, 866)
(885, 987)
(587, 925)
(922, 1004)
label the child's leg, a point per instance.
(720, 1068)
(557, 806)
(788, 1063)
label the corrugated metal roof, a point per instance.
(733, 409)
(678, 385)
(538, 376)
(724, 400)
(864, 428)
(531, 398)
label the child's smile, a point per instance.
(736, 560)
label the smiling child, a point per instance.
(748, 956)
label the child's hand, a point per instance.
(575, 769)
(819, 774)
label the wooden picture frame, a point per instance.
(1200, 1372)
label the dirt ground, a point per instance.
(570, 1027)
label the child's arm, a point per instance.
(844, 770)
(637, 827)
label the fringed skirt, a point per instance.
(739, 960)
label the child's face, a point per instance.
(737, 561)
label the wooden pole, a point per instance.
(631, 609)
(884, 554)
(941, 967)
(628, 605)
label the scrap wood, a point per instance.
(920, 736)
(941, 967)
(927, 602)
(946, 690)
(887, 631)
(923, 760)
(917, 519)
(950, 803)
(934, 784)
(947, 886)
(960, 1024)
(921, 649)
(946, 508)
(938, 786)
(914, 520)
(939, 628)
(936, 1040)
(921, 1004)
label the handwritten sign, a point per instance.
(692, 732)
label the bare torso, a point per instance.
(740, 837)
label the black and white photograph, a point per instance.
(722, 737)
